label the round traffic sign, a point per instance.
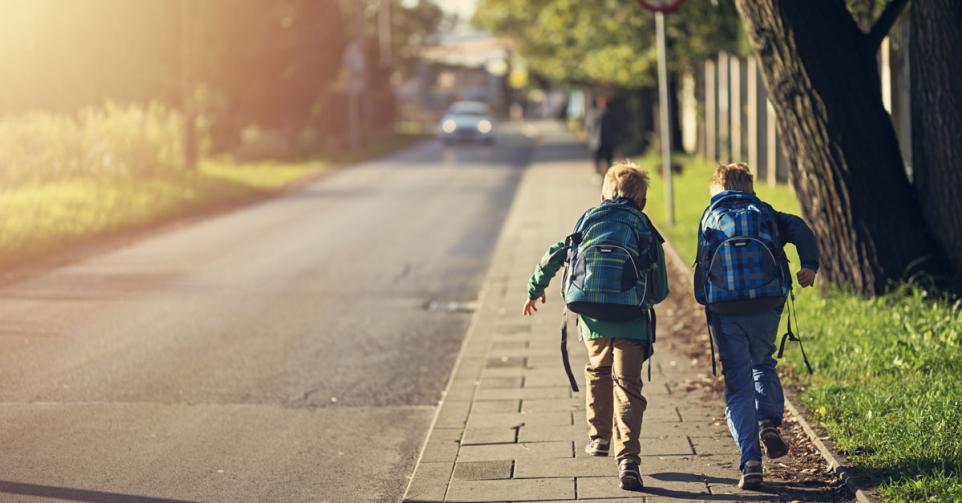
(661, 5)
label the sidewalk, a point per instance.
(510, 429)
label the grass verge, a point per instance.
(49, 216)
(888, 371)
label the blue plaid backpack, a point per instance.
(740, 268)
(610, 255)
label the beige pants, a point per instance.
(613, 395)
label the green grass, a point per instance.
(67, 179)
(888, 381)
(261, 175)
(47, 217)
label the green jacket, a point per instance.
(591, 328)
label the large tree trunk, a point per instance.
(846, 167)
(935, 41)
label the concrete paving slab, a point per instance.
(470, 491)
(430, 482)
(453, 414)
(637, 499)
(555, 404)
(511, 419)
(496, 406)
(523, 393)
(461, 395)
(441, 449)
(483, 470)
(565, 467)
(551, 378)
(514, 327)
(478, 436)
(542, 433)
(501, 382)
(532, 450)
(652, 447)
(505, 361)
(508, 345)
(603, 487)
(715, 445)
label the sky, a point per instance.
(464, 8)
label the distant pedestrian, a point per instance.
(603, 135)
(615, 273)
(742, 278)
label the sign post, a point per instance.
(661, 7)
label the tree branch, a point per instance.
(885, 21)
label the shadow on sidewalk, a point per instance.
(782, 491)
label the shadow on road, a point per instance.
(70, 494)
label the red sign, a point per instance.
(664, 6)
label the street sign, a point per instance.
(661, 5)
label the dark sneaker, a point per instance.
(597, 447)
(629, 475)
(772, 440)
(751, 475)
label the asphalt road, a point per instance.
(282, 352)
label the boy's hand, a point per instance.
(530, 307)
(806, 277)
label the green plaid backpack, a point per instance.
(611, 254)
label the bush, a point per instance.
(70, 179)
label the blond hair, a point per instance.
(626, 179)
(735, 176)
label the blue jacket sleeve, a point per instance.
(794, 230)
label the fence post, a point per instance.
(771, 143)
(724, 114)
(735, 109)
(711, 109)
(689, 113)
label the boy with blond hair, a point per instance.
(742, 279)
(615, 273)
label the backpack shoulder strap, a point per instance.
(701, 233)
(581, 220)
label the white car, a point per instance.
(467, 121)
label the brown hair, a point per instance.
(734, 176)
(625, 179)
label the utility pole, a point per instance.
(384, 31)
(355, 64)
(187, 82)
(660, 7)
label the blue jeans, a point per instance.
(753, 391)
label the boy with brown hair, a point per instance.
(615, 273)
(742, 279)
